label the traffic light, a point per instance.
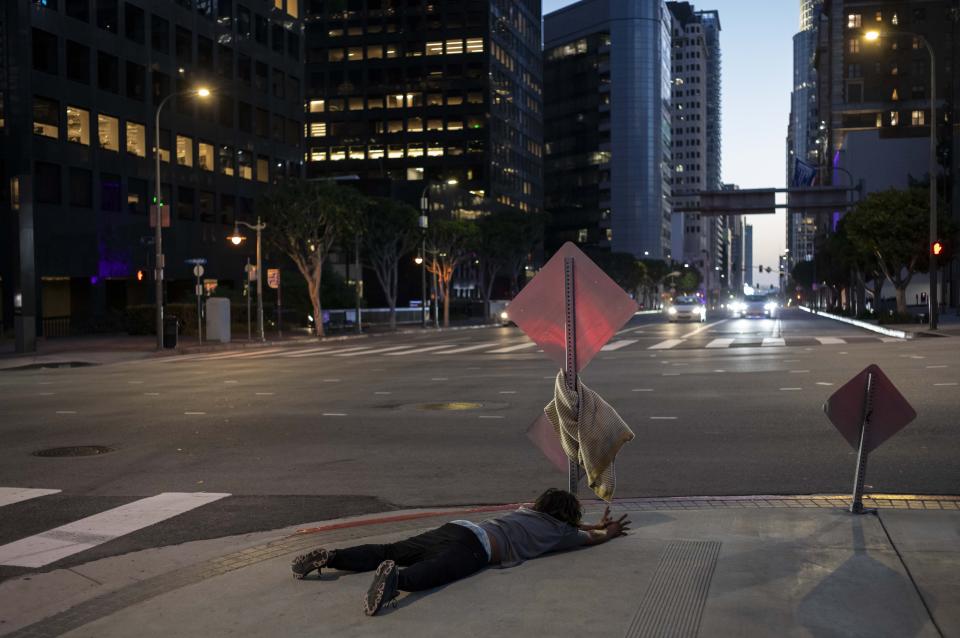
(936, 249)
(139, 275)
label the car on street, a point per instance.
(686, 308)
(759, 306)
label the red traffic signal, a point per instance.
(936, 249)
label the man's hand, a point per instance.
(611, 529)
(605, 520)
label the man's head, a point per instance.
(560, 504)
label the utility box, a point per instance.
(218, 319)
(171, 331)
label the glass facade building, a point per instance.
(608, 126)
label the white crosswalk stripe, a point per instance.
(416, 351)
(773, 341)
(11, 495)
(720, 343)
(478, 346)
(522, 346)
(616, 345)
(317, 351)
(666, 345)
(830, 341)
(377, 351)
(52, 545)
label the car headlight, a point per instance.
(671, 310)
(703, 310)
(770, 306)
(504, 315)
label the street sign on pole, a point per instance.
(867, 411)
(273, 277)
(198, 271)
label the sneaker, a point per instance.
(306, 563)
(383, 589)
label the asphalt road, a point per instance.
(299, 434)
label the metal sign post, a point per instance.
(570, 338)
(856, 506)
(249, 269)
(273, 280)
(198, 273)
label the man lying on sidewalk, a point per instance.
(461, 548)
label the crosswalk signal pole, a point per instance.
(570, 373)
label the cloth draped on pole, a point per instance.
(591, 433)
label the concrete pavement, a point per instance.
(749, 566)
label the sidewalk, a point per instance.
(735, 566)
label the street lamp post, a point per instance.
(876, 35)
(424, 223)
(236, 238)
(158, 220)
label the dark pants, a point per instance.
(432, 559)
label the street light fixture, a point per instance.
(236, 239)
(202, 92)
(873, 36)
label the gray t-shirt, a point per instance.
(526, 533)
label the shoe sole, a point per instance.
(374, 599)
(310, 561)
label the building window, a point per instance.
(226, 160)
(357, 152)
(107, 15)
(44, 52)
(395, 126)
(78, 62)
(895, 18)
(894, 96)
(184, 151)
(435, 150)
(375, 151)
(854, 45)
(879, 16)
(318, 154)
(414, 150)
(879, 121)
(415, 125)
(474, 97)
(206, 207)
(374, 52)
(894, 118)
(474, 121)
(355, 103)
(46, 117)
(609, 233)
(435, 48)
(109, 192)
(136, 139)
(81, 191)
(263, 169)
(338, 153)
(355, 54)
(335, 105)
(78, 9)
(854, 21)
(455, 125)
(474, 45)
(918, 118)
(582, 235)
(78, 125)
(318, 129)
(434, 124)
(395, 101)
(335, 55)
(245, 164)
(316, 106)
(395, 151)
(186, 202)
(159, 34)
(136, 195)
(205, 156)
(46, 180)
(455, 47)
(390, 51)
(375, 103)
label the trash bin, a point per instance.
(171, 331)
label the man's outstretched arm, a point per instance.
(611, 530)
(604, 521)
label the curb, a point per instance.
(889, 332)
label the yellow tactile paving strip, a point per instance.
(812, 501)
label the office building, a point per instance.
(80, 84)
(748, 276)
(608, 126)
(418, 94)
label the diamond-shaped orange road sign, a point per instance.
(602, 307)
(890, 412)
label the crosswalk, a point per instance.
(521, 347)
(50, 546)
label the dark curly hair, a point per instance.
(560, 504)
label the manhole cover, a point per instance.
(76, 450)
(450, 405)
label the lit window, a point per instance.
(414, 150)
(415, 173)
(395, 126)
(853, 21)
(455, 100)
(455, 125)
(136, 139)
(415, 125)
(879, 16)
(46, 117)
(108, 130)
(355, 53)
(355, 103)
(263, 169)
(395, 151)
(205, 156)
(454, 47)
(184, 151)
(390, 50)
(414, 99)
(895, 19)
(434, 99)
(395, 101)
(879, 120)
(374, 52)
(338, 153)
(245, 164)
(474, 121)
(434, 151)
(854, 45)
(918, 118)
(434, 48)
(475, 97)
(354, 30)
(293, 8)
(582, 235)
(454, 150)
(316, 106)
(894, 118)
(375, 103)
(434, 124)
(474, 45)
(894, 96)
(335, 33)
(78, 125)
(335, 105)
(226, 160)
(609, 234)
(375, 151)
(335, 55)
(318, 129)
(357, 152)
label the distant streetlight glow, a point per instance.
(203, 92)
(870, 36)
(452, 181)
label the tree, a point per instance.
(893, 225)
(449, 242)
(655, 272)
(304, 219)
(389, 232)
(505, 239)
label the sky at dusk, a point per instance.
(757, 49)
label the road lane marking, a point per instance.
(522, 346)
(616, 345)
(231, 381)
(334, 414)
(476, 346)
(663, 418)
(773, 341)
(891, 339)
(671, 374)
(416, 351)
(508, 391)
(66, 412)
(830, 341)
(941, 366)
(642, 390)
(799, 371)
(134, 382)
(46, 394)
(377, 351)
(10, 495)
(666, 345)
(790, 389)
(440, 379)
(264, 394)
(720, 343)
(383, 393)
(719, 370)
(313, 351)
(485, 416)
(944, 384)
(331, 380)
(194, 413)
(702, 328)
(67, 540)
(152, 394)
(823, 383)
